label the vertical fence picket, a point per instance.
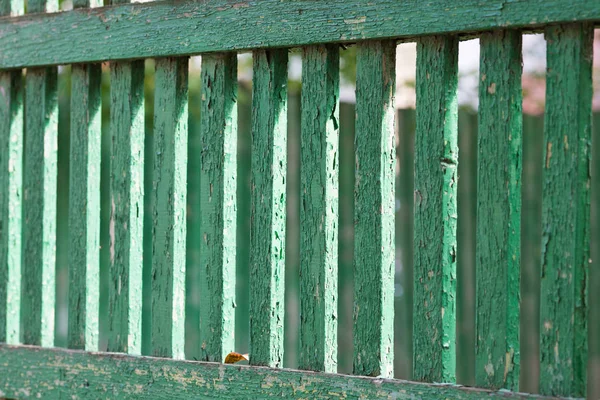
(218, 205)
(39, 199)
(436, 159)
(127, 206)
(565, 210)
(84, 202)
(319, 208)
(498, 226)
(267, 231)
(374, 210)
(11, 179)
(593, 385)
(169, 207)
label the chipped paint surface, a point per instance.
(436, 161)
(33, 372)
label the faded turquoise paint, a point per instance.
(436, 160)
(39, 208)
(31, 372)
(127, 206)
(319, 208)
(565, 210)
(498, 251)
(169, 207)
(84, 207)
(374, 210)
(11, 181)
(218, 205)
(267, 230)
(223, 25)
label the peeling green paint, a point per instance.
(319, 208)
(127, 206)
(565, 210)
(218, 205)
(436, 161)
(374, 210)
(169, 184)
(267, 230)
(498, 251)
(31, 372)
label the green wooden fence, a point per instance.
(155, 211)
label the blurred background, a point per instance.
(533, 121)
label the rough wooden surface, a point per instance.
(565, 210)
(39, 207)
(11, 190)
(84, 207)
(498, 251)
(127, 206)
(32, 372)
(169, 207)
(374, 210)
(593, 385)
(218, 205)
(267, 235)
(319, 208)
(436, 160)
(169, 28)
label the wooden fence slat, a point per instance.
(436, 159)
(27, 371)
(127, 206)
(169, 207)
(593, 385)
(220, 25)
(84, 202)
(11, 180)
(319, 208)
(267, 231)
(218, 205)
(374, 210)
(84, 207)
(498, 225)
(565, 210)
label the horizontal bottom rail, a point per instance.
(29, 371)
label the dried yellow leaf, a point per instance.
(234, 357)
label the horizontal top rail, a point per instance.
(174, 28)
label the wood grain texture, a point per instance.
(127, 206)
(319, 208)
(26, 372)
(84, 207)
(374, 236)
(39, 207)
(174, 27)
(498, 226)
(218, 205)
(565, 210)
(268, 204)
(436, 160)
(593, 384)
(169, 207)
(11, 194)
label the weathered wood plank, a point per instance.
(26, 372)
(319, 208)
(565, 210)
(436, 160)
(39, 207)
(374, 236)
(498, 245)
(218, 184)
(169, 28)
(84, 207)
(169, 207)
(127, 206)
(593, 385)
(267, 230)
(11, 179)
